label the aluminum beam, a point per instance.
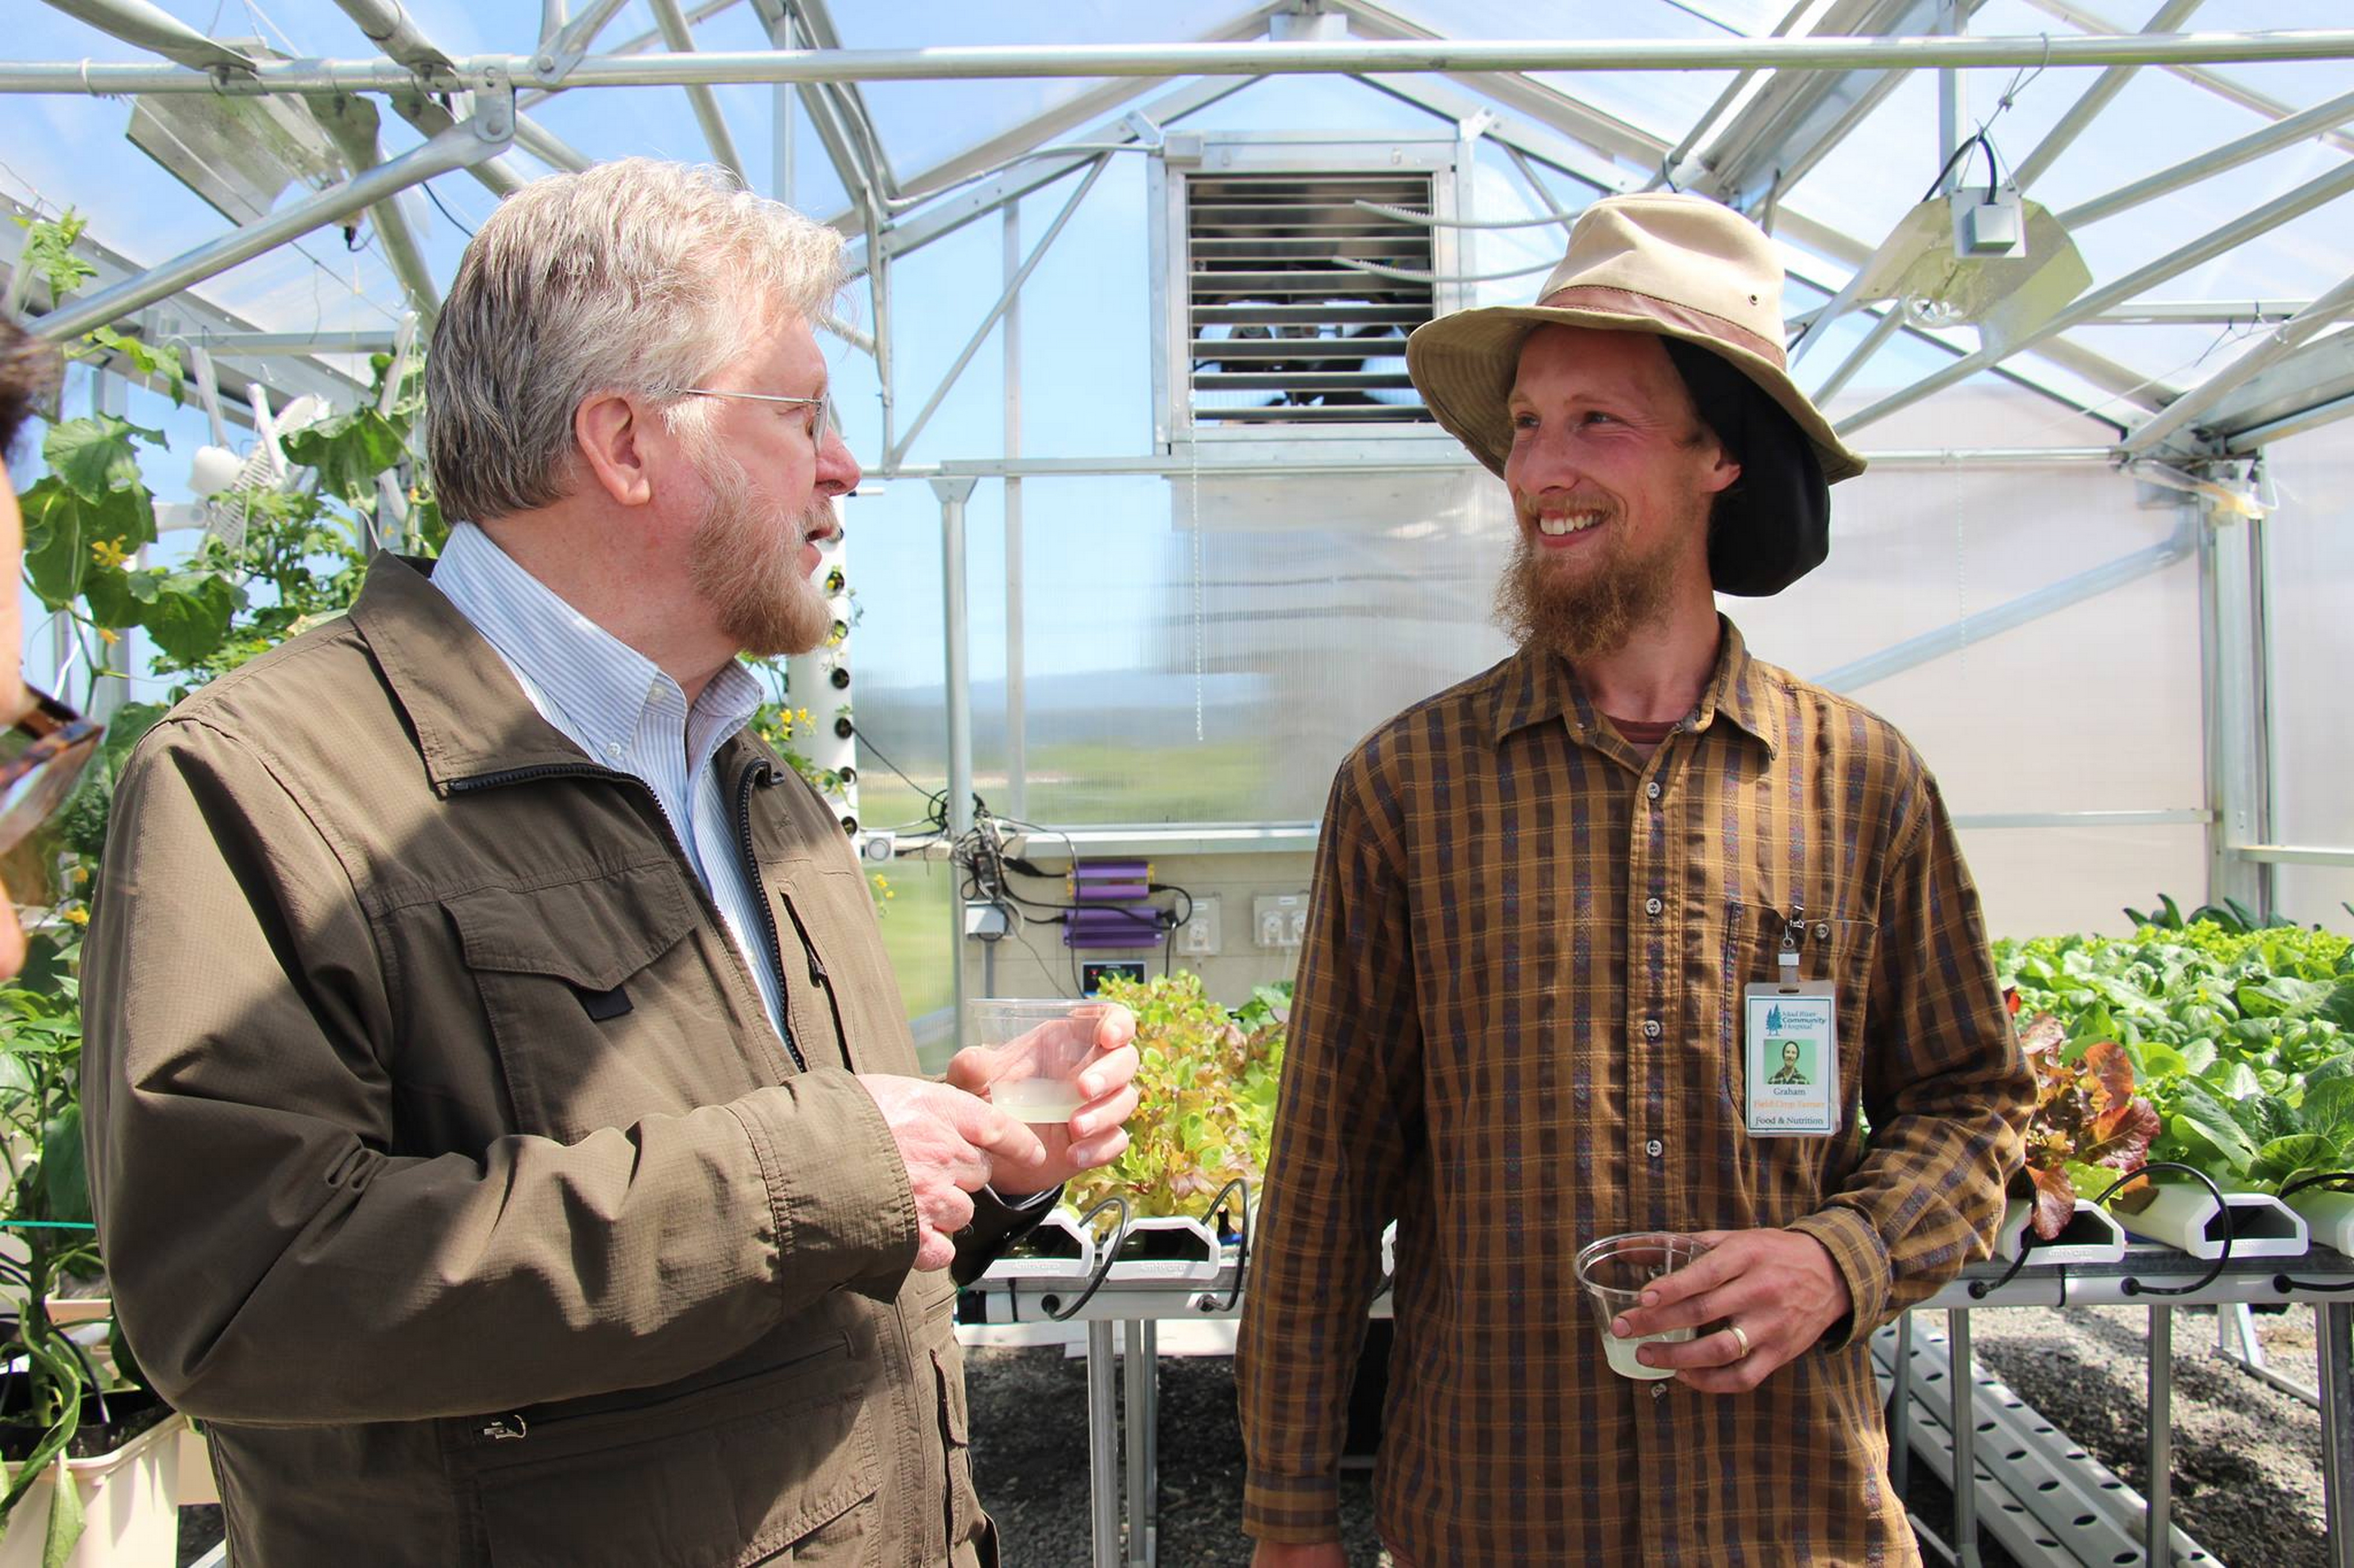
(1004, 302)
(2223, 87)
(1089, 107)
(945, 217)
(1547, 106)
(1356, 56)
(680, 37)
(2081, 113)
(1788, 128)
(2295, 204)
(817, 21)
(189, 318)
(2283, 341)
(2032, 606)
(158, 31)
(2309, 382)
(355, 135)
(858, 180)
(453, 149)
(2296, 128)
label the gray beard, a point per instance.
(745, 562)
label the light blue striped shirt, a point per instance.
(616, 705)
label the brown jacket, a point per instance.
(448, 1166)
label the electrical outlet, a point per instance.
(1279, 920)
(1198, 936)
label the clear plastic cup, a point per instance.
(1043, 1044)
(1614, 1272)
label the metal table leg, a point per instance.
(1103, 1444)
(2157, 1546)
(1140, 1371)
(2335, 1352)
(1900, 1410)
(1961, 1382)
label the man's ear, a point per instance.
(610, 430)
(1722, 473)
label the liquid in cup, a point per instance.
(1614, 1272)
(1056, 1039)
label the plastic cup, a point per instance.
(1043, 1045)
(1614, 1272)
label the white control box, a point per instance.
(1279, 920)
(1198, 936)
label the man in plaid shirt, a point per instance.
(1521, 1026)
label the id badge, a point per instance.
(1791, 1039)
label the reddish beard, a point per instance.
(1583, 614)
(745, 562)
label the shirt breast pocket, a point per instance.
(1789, 1176)
(600, 1001)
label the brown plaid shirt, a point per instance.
(1518, 1029)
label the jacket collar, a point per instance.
(1537, 686)
(470, 716)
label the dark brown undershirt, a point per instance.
(1642, 735)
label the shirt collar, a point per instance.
(1536, 685)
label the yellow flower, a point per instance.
(81, 874)
(78, 916)
(108, 553)
(109, 638)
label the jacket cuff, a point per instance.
(1863, 1261)
(841, 1198)
(1294, 1511)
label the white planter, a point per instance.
(130, 1502)
(197, 1485)
(1168, 1246)
(2183, 1216)
(2090, 1236)
(1059, 1248)
(2328, 1216)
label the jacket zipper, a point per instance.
(819, 978)
(756, 773)
(670, 834)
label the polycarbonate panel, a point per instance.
(1209, 653)
(2310, 584)
(2093, 707)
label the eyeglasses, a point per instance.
(822, 423)
(42, 755)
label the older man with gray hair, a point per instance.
(503, 1121)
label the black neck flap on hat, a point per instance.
(1773, 526)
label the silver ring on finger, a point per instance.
(1741, 1338)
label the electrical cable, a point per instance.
(435, 198)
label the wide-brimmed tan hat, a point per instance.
(1680, 266)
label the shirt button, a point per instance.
(1660, 1390)
(1652, 906)
(1822, 931)
(1650, 1029)
(616, 750)
(1652, 790)
(1655, 1148)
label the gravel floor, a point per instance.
(2247, 1459)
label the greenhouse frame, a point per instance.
(1129, 575)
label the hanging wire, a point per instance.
(2282, 1282)
(2132, 1287)
(1055, 1309)
(1408, 275)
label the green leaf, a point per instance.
(49, 252)
(62, 526)
(2283, 1158)
(191, 614)
(62, 1169)
(2328, 1108)
(2284, 997)
(66, 1521)
(2340, 1007)
(2233, 1080)
(2197, 1056)
(349, 451)
(2199, 1118)
(93, 456)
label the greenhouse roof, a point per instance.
(2202, 177)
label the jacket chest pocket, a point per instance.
(850, 1011)
(1788, 1176)
(604, 1001)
